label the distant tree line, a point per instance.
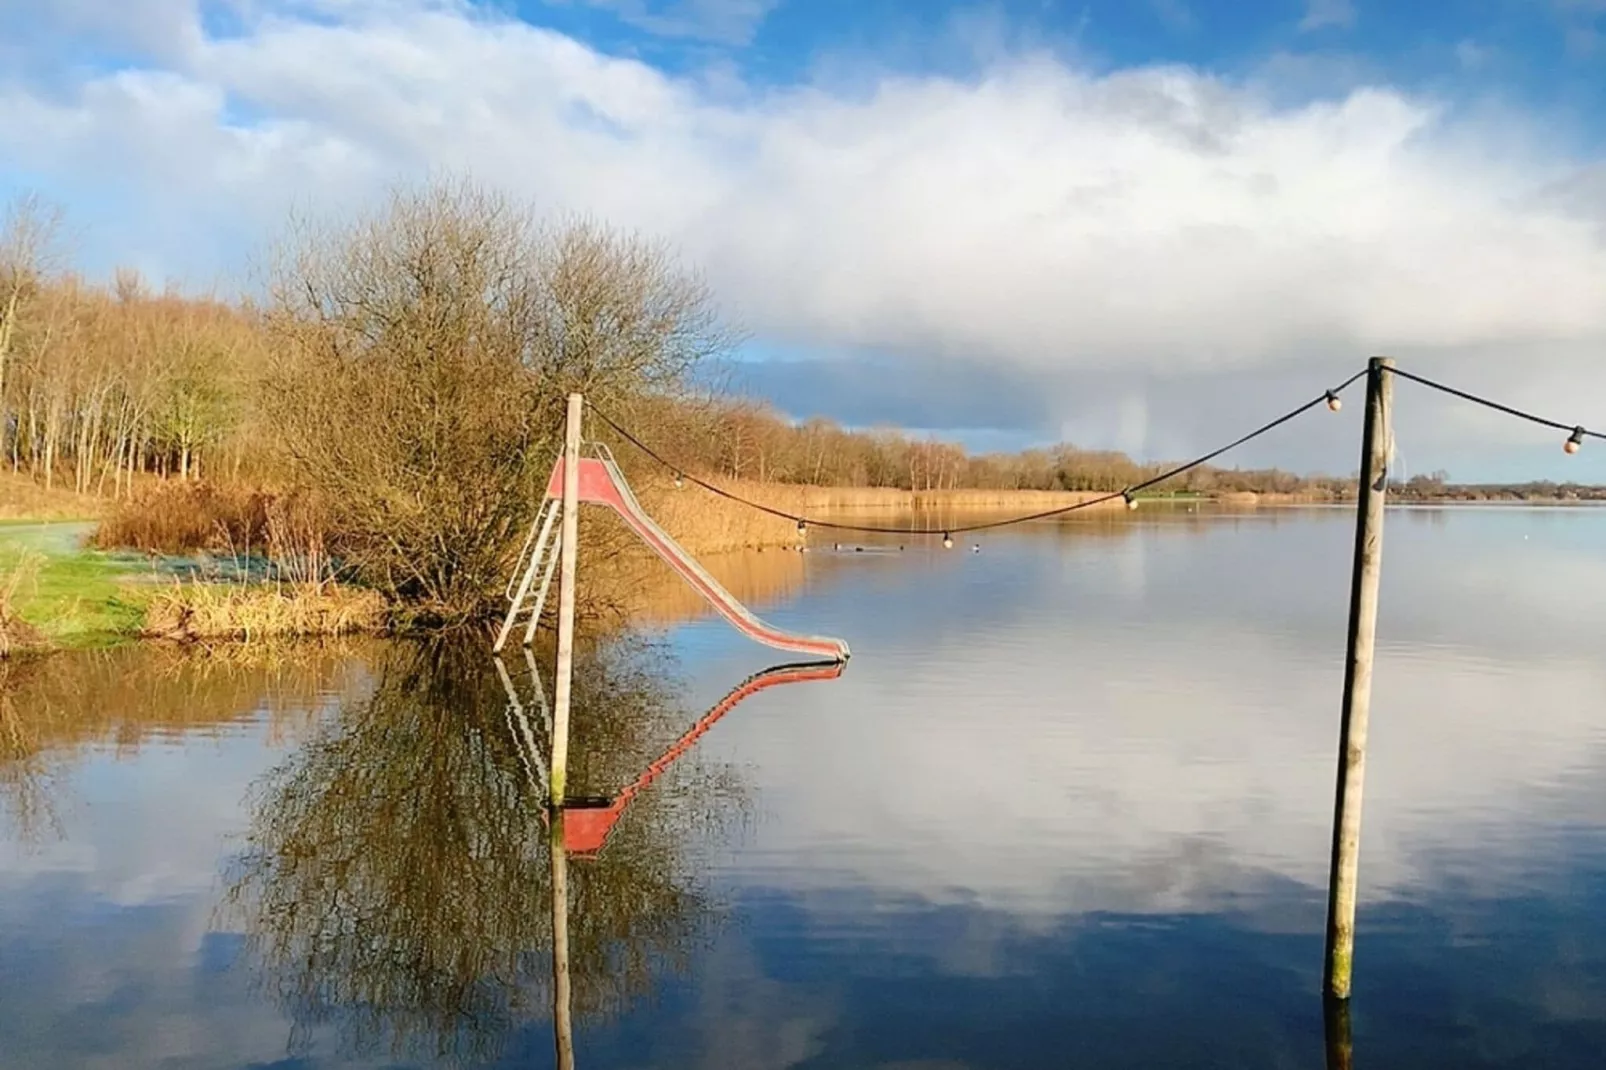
(404, 372)
(100, 384)
(1438, 487)
(740, 438)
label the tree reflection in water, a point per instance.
(396, 884)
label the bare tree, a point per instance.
(423, 355)
(29, 239)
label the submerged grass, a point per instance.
(63, 595)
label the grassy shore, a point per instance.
(57, 593)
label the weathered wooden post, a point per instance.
(567, 559)
(562, 1023)
(1340, 1045)
(1375, 445)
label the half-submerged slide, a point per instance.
(587, 823)
(602, 483)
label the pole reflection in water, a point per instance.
(583, 825)
(392, 883)
(562, 1024)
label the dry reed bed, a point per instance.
(175, 518)
(620, 577)
(818, 500)
(201, 611)
(659, 596)
(707, 524)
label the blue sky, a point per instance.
(1134, 224)
(1542, 49)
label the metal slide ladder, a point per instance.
(602, 483)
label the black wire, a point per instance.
(1321, 399)
(1495, 405)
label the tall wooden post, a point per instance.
(1375, 445)
(562, 1022)
(1340, 1044)
(567, 557)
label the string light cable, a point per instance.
(1576, 433)
(1330, 398)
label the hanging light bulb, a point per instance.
(1576, 442)
(1131, 502)
(1334, 402)
(680, 481)
(947, 541)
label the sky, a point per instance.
(1141, 224)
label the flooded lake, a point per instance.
(1069, 804)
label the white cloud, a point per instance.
(160, 27)
(1037, 216)
(1323, 13)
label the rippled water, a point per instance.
(1069, 804)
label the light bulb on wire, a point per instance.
(1131, 502)
(947, 541)
(1576, 442)
(680, 481)
(802, 528)
(1334, 402)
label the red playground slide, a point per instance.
(601, 483)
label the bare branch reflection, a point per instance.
(397, 871)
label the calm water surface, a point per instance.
(1068, 805)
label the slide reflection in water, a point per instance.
(582, 826)
(386, 885)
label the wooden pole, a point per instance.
(569, 544)
(1340, 1045)
(1375, 445)
(562, 1022)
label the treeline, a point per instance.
(744, 439)
(100, 383)
(1437, 487)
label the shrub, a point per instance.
(421, 360)
(178, 518)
